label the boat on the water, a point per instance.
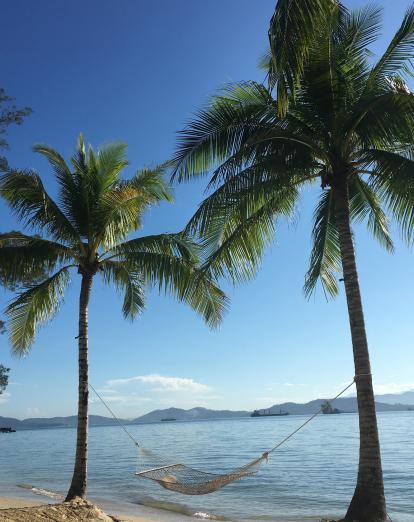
(267, 413)
(7, 430)
(168, 419)
(327, 409)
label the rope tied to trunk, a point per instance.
(134, 440)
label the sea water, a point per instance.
(310, 477)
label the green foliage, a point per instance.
(87, 228)
(35, 306)
(4, 378)
(346, 116)
(293, 30)
(9, 115)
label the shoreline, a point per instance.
(123, 513)
(126, 512)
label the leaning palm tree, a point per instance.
(86, 229)
(349, 126)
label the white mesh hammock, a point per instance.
(189, 481)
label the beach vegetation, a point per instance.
(10, 114)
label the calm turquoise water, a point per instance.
(312, 476)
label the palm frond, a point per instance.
(325, 259)
(397, 58)
(204, 296)
(360, 28)
(383, 120)
(120, 208)
(178, 245)
(33, 307)
(393, 179)
(169, 262)
(26, 195)
(59, 165)
(180, 278)
(294, 27)
(219, 130)
(151, 184)
(129, 283)
(23, 257)
(234, 240)
(110, 161)
(365, 203)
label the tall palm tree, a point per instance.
(349, 126)
(86, 229)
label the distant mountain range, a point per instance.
(189, 415)
(400, 398)
(389, 402)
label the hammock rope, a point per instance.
(189, 481)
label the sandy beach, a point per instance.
(24, 510)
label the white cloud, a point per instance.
(164, 383)
(392, 387)
(107, 390)
(129, 400)
(4, 397)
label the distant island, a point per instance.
(384, 403)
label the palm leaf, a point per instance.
(293, 29)
(175, 245)
(131, 285)
(33, 307)
(234, 242)
(365, 203)
(26, 195)
(393, 179)
(111, 160)
(23, 257)
(399, 53)
(219, 130)
(325, 258)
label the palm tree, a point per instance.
(347, 124)
(86, 230)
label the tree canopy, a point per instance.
(4, 378)
(349, 114)
(9, 115)
(86, 229)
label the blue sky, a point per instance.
(135, 71)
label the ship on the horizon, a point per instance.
(267, 413)
(168, 419)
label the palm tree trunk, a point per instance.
(368, 502)
(78, 484)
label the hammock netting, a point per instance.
(189, 481)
